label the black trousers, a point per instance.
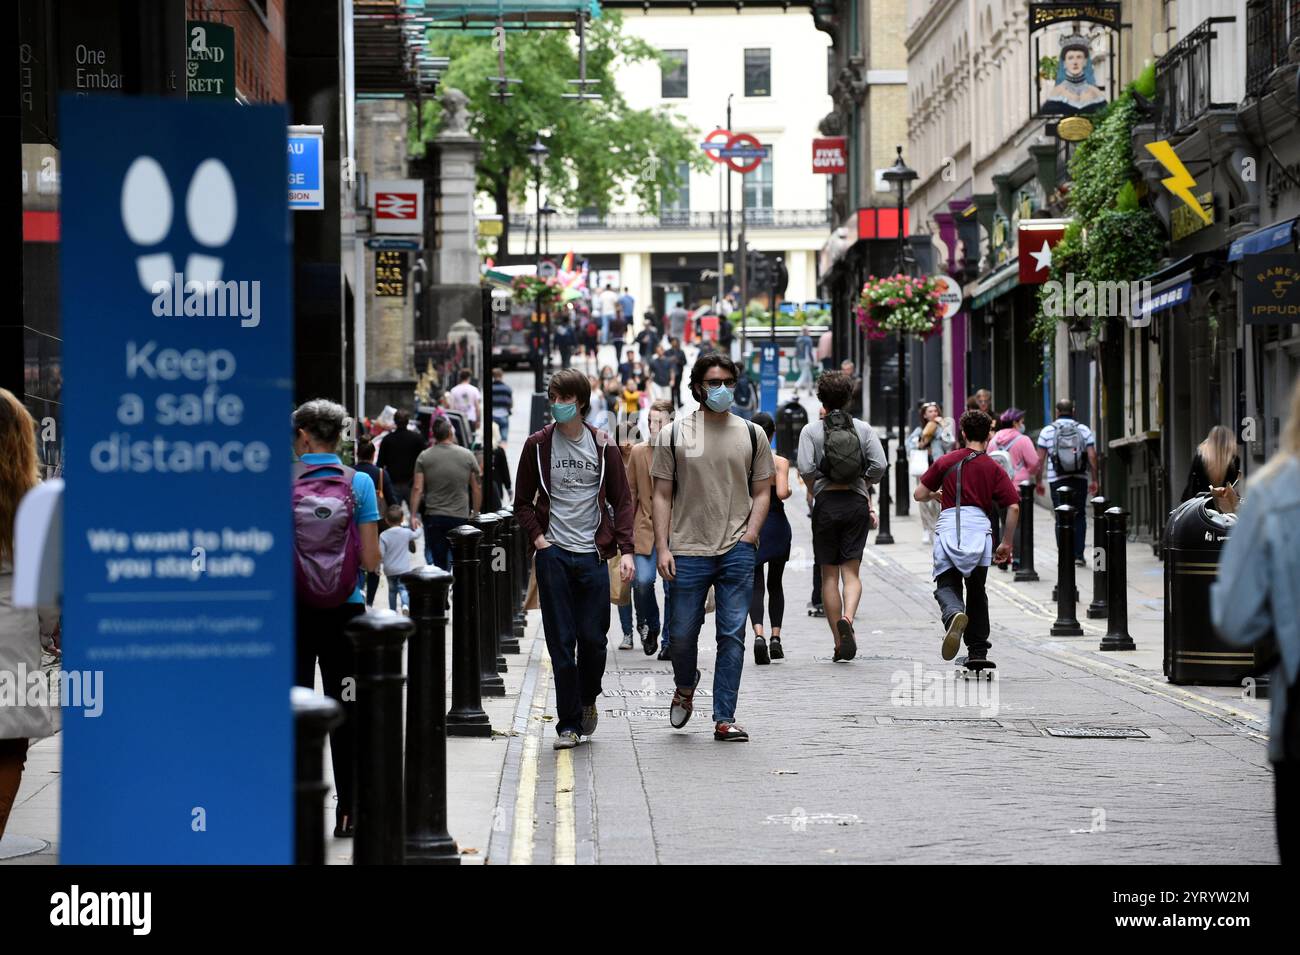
(948, 592)
(1286, 808)
(320, 639)
(775, 593)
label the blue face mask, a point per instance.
(563, 411)
(719, 398)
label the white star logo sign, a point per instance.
(1043, 257)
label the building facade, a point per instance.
(770, 66)
(869, 88)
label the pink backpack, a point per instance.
(326, 542)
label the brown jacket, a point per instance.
(643, 490)
(533, 498)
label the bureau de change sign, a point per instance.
(177, 338)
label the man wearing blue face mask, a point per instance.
(711, 471)
(573, 501)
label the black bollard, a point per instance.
(377, 638)
(1100, 559)
(1117, 637)
(1066, 496)
(1026, 531)
(314, 715)
(883, 536)
(506, 591)
(491, 663)
(466, 717)
(1066, 625)
(427, 839)
(523, 570)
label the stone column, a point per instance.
(456, 262)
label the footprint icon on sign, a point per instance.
(148, 212)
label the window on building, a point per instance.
(675, 204)
(672, 83)
(758, 72)
(758, 192)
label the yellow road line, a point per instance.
(565, 837)
(521, 843)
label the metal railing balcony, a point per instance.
(1185, 79)
(670, 219)
(1271, 25)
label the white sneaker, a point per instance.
(925, 537)
(566, 740)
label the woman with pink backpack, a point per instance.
(1014, 451)
(336, 536)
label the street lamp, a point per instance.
(537, 154)
(900, 175)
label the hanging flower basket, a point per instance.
(900, 304)
(541, 292)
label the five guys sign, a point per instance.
(830, 156)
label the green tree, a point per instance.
(602, 151)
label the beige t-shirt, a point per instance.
(713, 477)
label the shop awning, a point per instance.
(994, 285)
(1262, 240)
(1172, 291)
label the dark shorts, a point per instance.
(840, 521)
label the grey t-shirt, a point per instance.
(812, 444)
(447, 469)
(574, 485)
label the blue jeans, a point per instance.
(395, 589)
(643, 595)
(625, 618)
(732, 577)
(437, 550)
(1079, 501)
(503, 422)
(573, 590)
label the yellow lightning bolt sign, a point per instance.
(1181, 181)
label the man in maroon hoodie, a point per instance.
(572, 499)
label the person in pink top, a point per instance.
(1011, 438)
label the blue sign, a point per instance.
(393, 245)
(769, 377)
(1144, 305)
(306, 168)
(177, 350)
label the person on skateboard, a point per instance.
(968, 485)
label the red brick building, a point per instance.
(259, 43)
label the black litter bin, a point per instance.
(790, 419)
(1194, 653)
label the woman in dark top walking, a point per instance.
(773, 553)
(1215, 464)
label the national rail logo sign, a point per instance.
(398, 205)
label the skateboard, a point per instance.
(976, 669)
(816, 610)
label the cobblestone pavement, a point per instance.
(892, 758)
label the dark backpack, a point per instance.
(1069, 451)
(744, 393)
(326, 541)
(842, 459)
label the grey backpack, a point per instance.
(1069, 454)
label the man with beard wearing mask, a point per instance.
(712, 471)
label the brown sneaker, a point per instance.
(730, 733)
(679, 712)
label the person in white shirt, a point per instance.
(1067, 451)
(608, 312)
(467, 399)
(395, 556)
